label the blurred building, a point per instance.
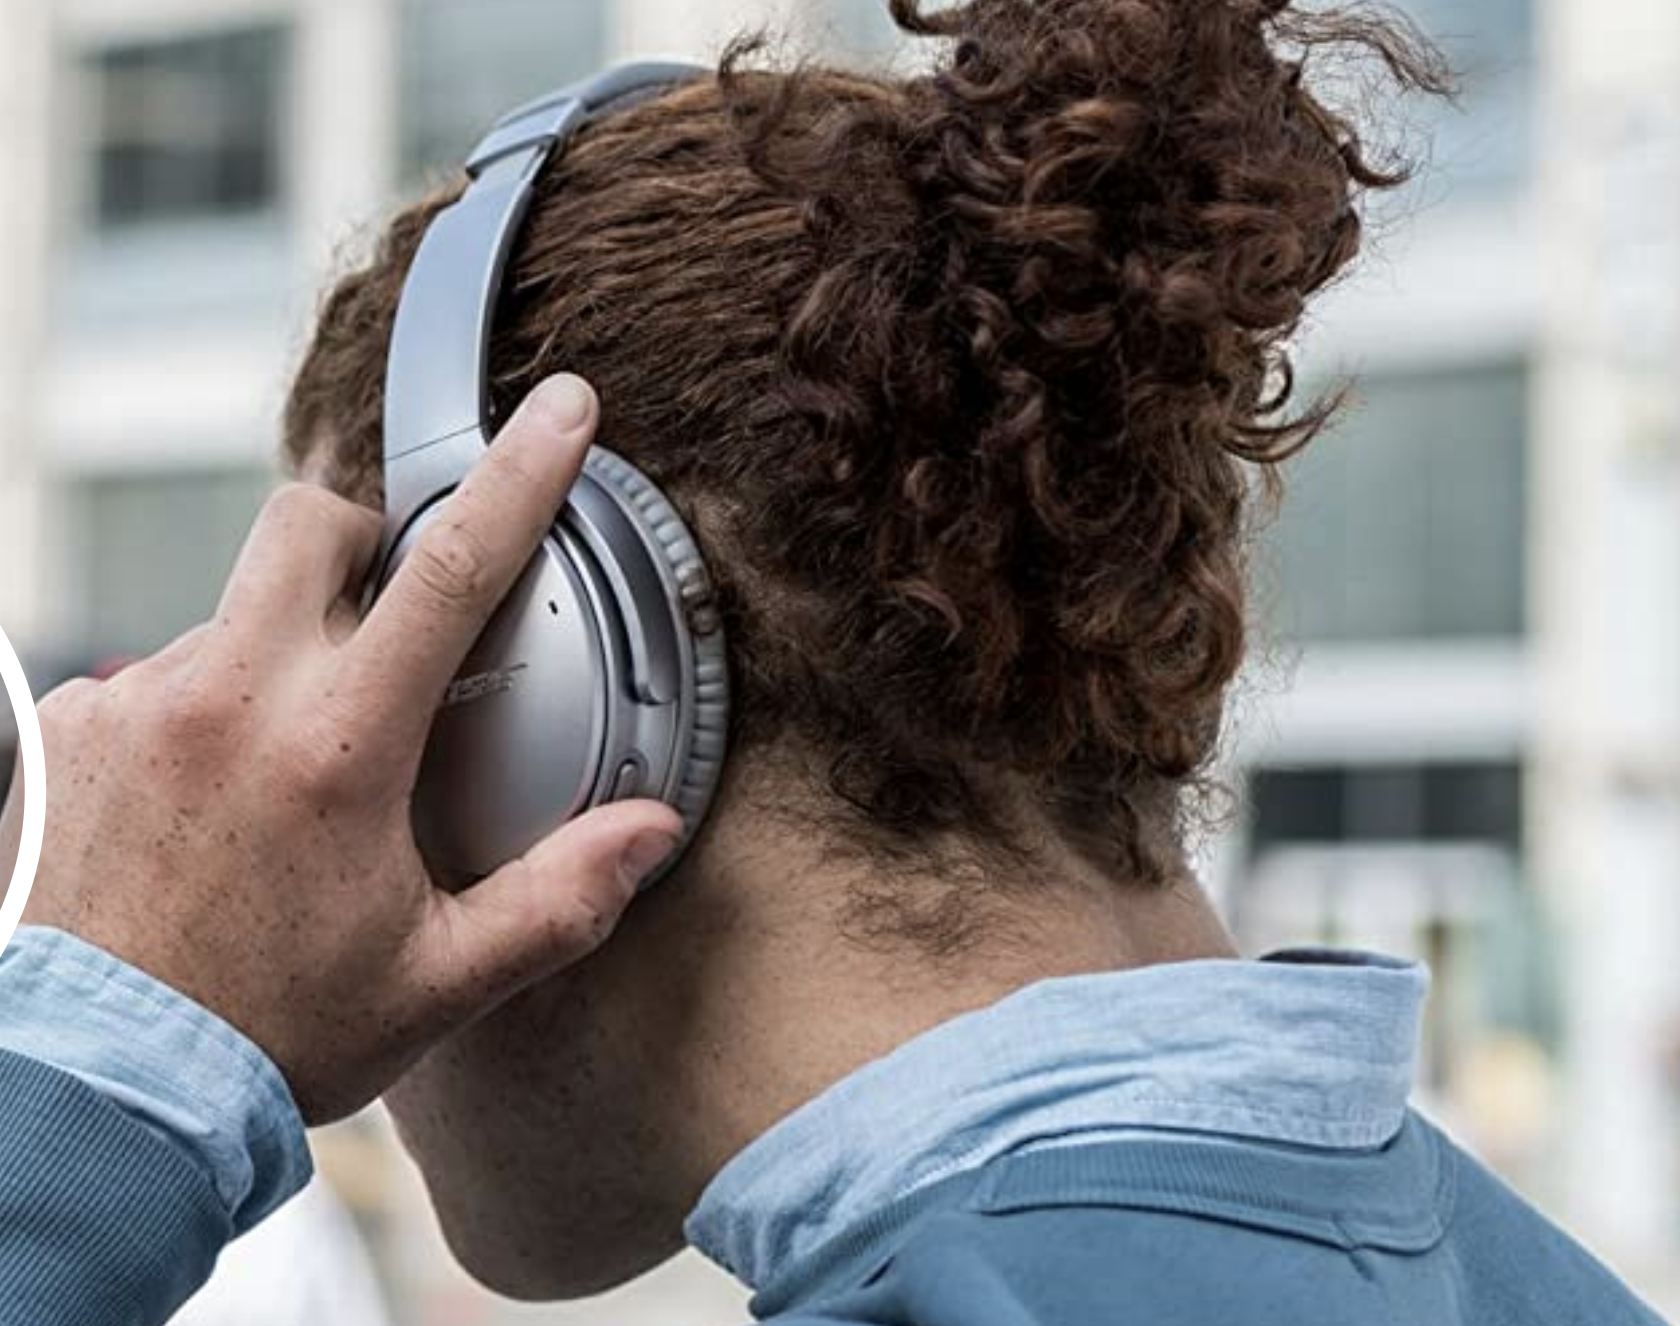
(1474, 593)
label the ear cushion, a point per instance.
(700, 759)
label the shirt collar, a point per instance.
(1306, 1046)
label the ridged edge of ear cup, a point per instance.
(707, 731)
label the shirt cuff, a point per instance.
(171, 1064)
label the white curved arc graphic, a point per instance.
(34, 790)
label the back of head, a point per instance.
(956, 377)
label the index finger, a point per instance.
(467, 559)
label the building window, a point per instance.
(156, 550)
(465, 62)
(1411, 803)
(1408, 520)
(187, 129)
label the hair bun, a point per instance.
(1059, 276)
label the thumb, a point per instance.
(542, 913)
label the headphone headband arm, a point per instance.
(437, 407)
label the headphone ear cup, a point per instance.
(705, 723)
(516, 747)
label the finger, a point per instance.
(540, 914)
(465, 561)
(306, 547)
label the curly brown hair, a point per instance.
(958, 376)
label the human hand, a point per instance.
(233, 815)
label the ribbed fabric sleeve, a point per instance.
(103, 1222)
(168, 1062)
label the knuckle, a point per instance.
(319, 764)
(506, 472)
(197, 710)
(295, 504)
(296, 510)
(578, 932)
(358, 521)
(570, 932)
(68, 700)
(296, 500)
(71, 708)
(451, 563)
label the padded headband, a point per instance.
(437, 407)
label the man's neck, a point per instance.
(785, 996)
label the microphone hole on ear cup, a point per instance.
(554, 607)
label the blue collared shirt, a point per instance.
(1290, 1202)
(1306, 1047)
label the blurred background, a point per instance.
(1464, 743)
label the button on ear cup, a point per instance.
(706, 725)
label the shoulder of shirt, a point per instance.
(1194, 1232)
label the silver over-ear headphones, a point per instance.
(602, 677)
